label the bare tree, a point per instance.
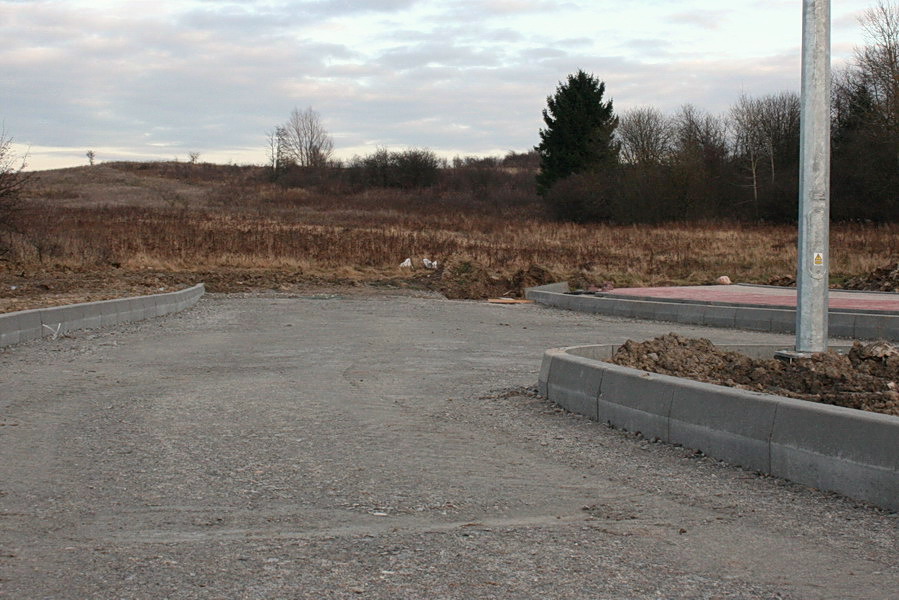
(878, 61)
(645, 136)
(765, 134)
(12, 180)
(306, 143)
(276, 148)
(866, 122)
(780, 129)
(749, 144)
(699, 161)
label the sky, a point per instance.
(159, 79)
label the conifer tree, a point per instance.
(579, 133)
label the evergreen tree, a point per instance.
(578, 137)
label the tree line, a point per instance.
(645, 166)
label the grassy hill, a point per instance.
(123, 228)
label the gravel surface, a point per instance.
(343, 446)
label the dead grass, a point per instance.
(82, 220)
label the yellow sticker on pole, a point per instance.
(819, 258)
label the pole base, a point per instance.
(789, 356)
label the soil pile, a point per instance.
(463, 278)
(866, 378)
(884, 279)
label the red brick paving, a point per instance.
(765, 295)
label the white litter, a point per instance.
(429, 264)
(406, 264)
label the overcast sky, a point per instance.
(136, 80)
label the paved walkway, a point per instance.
(762, 295)
(382, 448)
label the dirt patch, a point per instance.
(21, 290)
(866, 378)
(463, 278)
(884, 279)
(460, 279)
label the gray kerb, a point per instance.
(851, 452)
(850, 324)
(27, 325)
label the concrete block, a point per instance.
(593, 305)
(109, 312)
(573, 383)
(874, 327)
(65, 318)
(853, 452)
(840, 324)
(719, 316)
(130, 310)
(165, 306)
(558, 288)
(92, 315)
(619, 308)
(24, 325)
(538, 296)
(783, 320)
(753, 319)
(729, 424)
(635, 401)
(691, 313)
(643, 309)
(8, 338)
(148, 303)
(556, 301)
(672, 312)
(600, 353)
(545, 367)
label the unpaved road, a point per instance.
(381, 447)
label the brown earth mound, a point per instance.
(866, 378)
(884, 279)
(467, 279)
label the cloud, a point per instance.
(142, 79)
(704, 19)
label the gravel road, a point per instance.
(371, 446)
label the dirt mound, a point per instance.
(867, 378)
(464, 278)
(884, 279)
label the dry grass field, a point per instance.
(108, 230)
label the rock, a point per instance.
(723, 280)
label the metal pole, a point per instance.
(814, 180)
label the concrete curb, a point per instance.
(851, 452)
(51, 322)
(850, 324)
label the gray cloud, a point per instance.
(704, 19)
(214, 76)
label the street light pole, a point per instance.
(814, 180)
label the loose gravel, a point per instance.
(344, 446)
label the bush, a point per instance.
(408, 169)
(583, 197)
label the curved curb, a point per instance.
(851, 452)
(27, 325)
(851, 324)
